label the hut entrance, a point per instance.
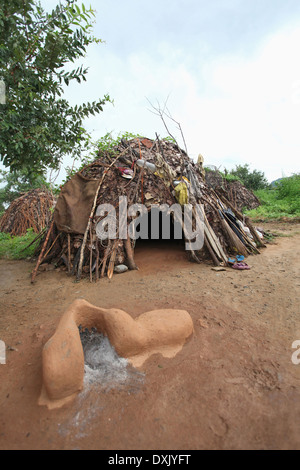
(158, 226)
(161, 245)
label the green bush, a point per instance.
(289, 189)
(17, 247)
(230, 177)
(253, 180)
(283, 200)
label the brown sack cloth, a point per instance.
(74, 204)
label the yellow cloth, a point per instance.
(200, 159)
(181, 193)
(200, 164)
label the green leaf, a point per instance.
(38, 126)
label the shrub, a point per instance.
(283, 200)
(17, 247)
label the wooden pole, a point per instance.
(240, 216)
(211, 251)
(97, 260)
(111, 265)
(42, 252)
(106, 253)
(91, 254)
(129, 253)
(214, 241)
(69, 253)
(49, 249)
(92, 214)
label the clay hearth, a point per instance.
(158, 331)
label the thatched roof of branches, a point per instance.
(234, 191)
(72, 241)
(32, 209)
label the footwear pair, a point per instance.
(240, 265)
(238, 258)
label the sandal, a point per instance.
(241, 266)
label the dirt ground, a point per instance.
(232, 386)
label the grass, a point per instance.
(280, 202)
(17, 247)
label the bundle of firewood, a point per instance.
(240, 196)
(31, 210)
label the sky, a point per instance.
(229, 71)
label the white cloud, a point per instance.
(249, 110)
(262, 116)
(234, 109)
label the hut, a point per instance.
(148, 173)
(32, 209)
(234, 190)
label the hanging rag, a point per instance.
(163, 170)
(181, 193)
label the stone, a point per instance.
(2, 353)
(121, 268)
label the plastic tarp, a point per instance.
(74, 204)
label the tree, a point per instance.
(253, 180)
(37, 126)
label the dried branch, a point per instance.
(164, 112)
